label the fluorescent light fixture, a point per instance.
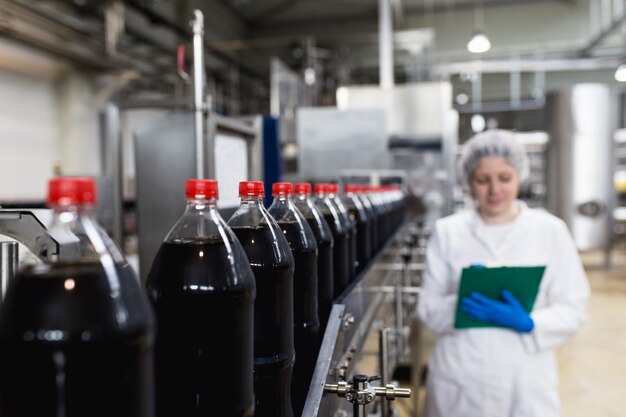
(479, 43)
(620, 73)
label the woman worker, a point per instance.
(511, 370)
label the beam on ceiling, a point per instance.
(185, 33)
(371, 15)
(227, 4)
(271, 12)
(36, 28)
(539, 65)
(596, 40)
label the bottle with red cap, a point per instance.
(202, 289)
(77, 334)
(273, 266)
(333, 194)
(373, 194)
(359, 217)
(324, 238)
(306, 321)
(398, 204)
(341, 249)
(361, 191)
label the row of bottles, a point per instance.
(238, 308)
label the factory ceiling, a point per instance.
(339, 37)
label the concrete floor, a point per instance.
(592, 365)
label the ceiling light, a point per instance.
(309, 76)
(462, 99)
(478, 123)
(620, 73)
(479, 43)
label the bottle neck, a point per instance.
(69, 216)
(65, 211)
(282, 198)
(84, 239)
(198, 204)
(251, 199)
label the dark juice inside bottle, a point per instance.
(324, 276)
(273, 321)
(204, 344)
(372, 222)
(306, 321)
(76, 341)
(341, 256)
(363, 242)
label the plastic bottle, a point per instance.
(306, 322)
(398, 203)
(77, 334)
(341, 249)
(333, 194)
(202, 289)
(358, 216)
(373, 193)
(371, 215)
(273, 266)
(325, 244)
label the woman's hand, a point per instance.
(509, 313)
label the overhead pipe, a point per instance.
(385, 43)
(199, 96)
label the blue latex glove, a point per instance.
(509, 313)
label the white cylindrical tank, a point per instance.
(580, 161)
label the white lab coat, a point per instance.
(495, 372)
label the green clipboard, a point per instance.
(522, 281)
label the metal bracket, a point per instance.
(360, 393)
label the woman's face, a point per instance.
(495, 185)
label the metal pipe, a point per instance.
(385, 44)
(112, 164)
(399, 321)
(395, 391)
(515, 88)
(199, 91)
(384, 366)
(359, 384)
(477, 91)
(9, 257)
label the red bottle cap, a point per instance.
(321, 188)
(66, 191)
(282, 188)
(201, 189)
(351, 188)
(333, 188)
(251, 188)
(302, 188)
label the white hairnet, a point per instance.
(493, 142)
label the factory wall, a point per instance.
(48, 122)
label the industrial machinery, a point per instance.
(26, 231)
(373, 314)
